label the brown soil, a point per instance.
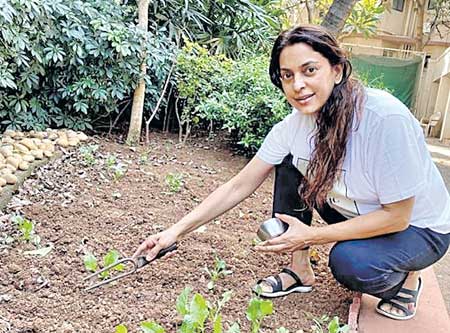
(80, 209)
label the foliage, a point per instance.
(174, 181)
(219, 270)
(231, 27)
(332, 325)
(375, 82)
(91, 263)
(364, 17)
(71, 63)
(88, 154)
(234, 95)
(26, 228)
(121, 329)
(257, 310)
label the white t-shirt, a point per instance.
(386, 161)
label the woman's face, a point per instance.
(307, 77)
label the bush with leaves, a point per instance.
(234, 95)
(73, 63)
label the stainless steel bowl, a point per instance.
(271, 228)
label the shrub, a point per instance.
(234, 95)
(70, 63)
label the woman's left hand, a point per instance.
(297, 237)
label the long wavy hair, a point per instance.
(334, 120)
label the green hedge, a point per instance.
(71, 63)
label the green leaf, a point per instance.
(234, 328)
(217, 328)
(333, 326)
(182, 301)
(151, 327)
(111, 258)
(121, 329)
(199, 310)
(90, 262)
(43, 251)
(266, 307)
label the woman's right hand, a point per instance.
(155, 243)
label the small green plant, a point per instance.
(218, 271)
(26, 227)
(88, 154)
(257, 310)
(282, 330)
(143, 158)
(174, 181)
(151, 327)
(121, 329)
(332, 325)
(110, 161)
(197, 310)
(118, 171)
(91, 262)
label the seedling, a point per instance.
(118, 171)
(110, 161)
(151, 327)
(219, 270)
(26, 227)
(257, 310)
(174, 181)
(143, 158)
(88, 154)
(121, 329)
(282, 330)
(91, 263)
(333, 325)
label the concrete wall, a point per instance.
(443, 105)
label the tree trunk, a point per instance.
(337, 15)
(310, 8)
(137, 110)
(420, 23)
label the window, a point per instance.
(398, 5)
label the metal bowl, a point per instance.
(271, 228)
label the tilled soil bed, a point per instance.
(80, 208)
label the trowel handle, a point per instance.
(142, 260)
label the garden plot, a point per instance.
(108, 197)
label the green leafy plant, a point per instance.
(219, 270)
(121, 329)
(26, 228)
(74, 63)
(174, 181)
(323, 321)
(118, 171)
(91, 263)
(152, 327)
(110, 161)
(257, 310)
(88, 154)
(282, 330)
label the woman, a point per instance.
(359, 158)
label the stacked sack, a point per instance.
(19, 149)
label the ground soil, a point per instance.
(79, 209)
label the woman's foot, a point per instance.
(404, 305)
(299, 277)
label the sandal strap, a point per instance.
(412, 293)
(293, 275)
(406, 311)
(404, 299)
(276, 285)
